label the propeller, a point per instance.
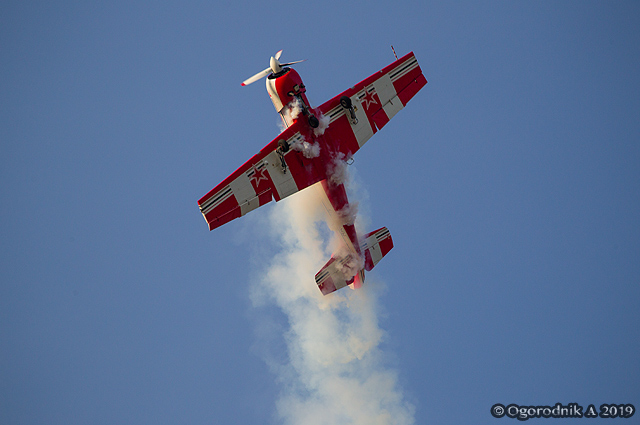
(274, 67)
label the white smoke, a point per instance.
(309, 150)
(349, 213)
(290, 113)
(334, 370)
(337, 169)
(293, 109)
(323, 125)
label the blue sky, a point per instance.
(510, 184)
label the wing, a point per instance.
(375, 100)
(267, 175)
(271, 175)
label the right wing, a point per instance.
(261, 179)
(375, 101)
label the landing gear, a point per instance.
(313, 121)
(345, 102)
(283, 147)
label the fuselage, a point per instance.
(288, 94)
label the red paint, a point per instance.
(286, 87)
(338, 142)
(411, 89)
(223, 213)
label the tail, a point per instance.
(342, 271)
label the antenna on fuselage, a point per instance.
(394, 52)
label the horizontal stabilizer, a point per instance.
(338, 273)
(376, 245)
(342, 271)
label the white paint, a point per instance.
(388, 96)
(362, 130)
(242, 189)
(283, 181)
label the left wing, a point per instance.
(267, 175)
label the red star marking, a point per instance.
(258, 176)
(368, 99)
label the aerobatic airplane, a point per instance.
(314, 148)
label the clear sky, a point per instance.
(510, 184)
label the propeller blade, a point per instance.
(256, 77)
(275, 67)
(291, 63)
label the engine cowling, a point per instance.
(284, 88)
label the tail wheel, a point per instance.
(345, 102)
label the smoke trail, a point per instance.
(334, 371)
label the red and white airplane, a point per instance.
(314, 148)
